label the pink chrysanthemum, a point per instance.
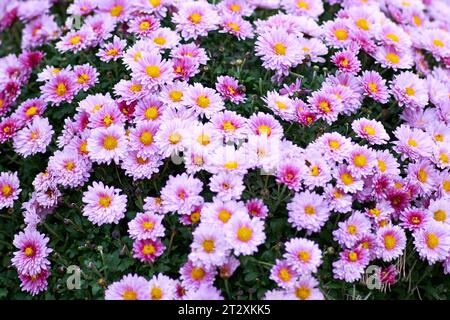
(409, 90)
(352, 230)
(146, 226)
(371, 130)
(147, 250)
(112, 50)
(152, 71)
(161, 287)
(181, 193)
(29, 109)
(104, 204)
(433, 242)
(34, 138)
(244, 234)
(34, 284)
(374, 86)
(86, 75)
(308, 210)
(305, 288)
(60, 88)
(9, 189)
(69, 169)
(230, 89)
(130, 287)
(283, 274)
(351, 265)
(76, 40)
(227, 186)
(31, 258)
(107, 144)
(193, 276)
(195, 19)
(204, 101)
(237, 26)
(303, 255)
(412, 143)
(391, 242)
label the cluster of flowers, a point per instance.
(157, 114)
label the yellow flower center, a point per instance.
(410, 91)
(438, 43)
(151, 113)
(446, 185)
(303, 256)
(235, 7)
(284, 274)
(153, 71)
(280, 49)
(363, 24)
(443, 157)
(195, 217)
(439, 137)
(302, 5)
(146, 138)
(392, 37)
(334, 144)
(281, 105)
(440, 215)
(144, 25)
(83, 147)
(412, 142)
(422, 176)
(195, 18)
(341, 34)
(29, 251)
(310, 210)
(129, 295)
(233, 26)
(208, 245)
(176, 95)
(382, 165)
(389, 242)
(197, 273)
(360, 160)
(104, 201)
(135, 87)
(82, 78)
(369, 130)
(231, 165)
(228, 126)
(302, 292)
(110, 143)
(264, 130)
(347, 178)
(160, 41)
(244, 233)
(432, 241)
(116, 11)
(351, 229)
(75, 40)
(417, 20)
(352, 256)
(203, 101)
(148, 225)
(155, 3)
(6, 190)
(224, 215)
(204, 139)
(393, 58)
(148, 249)
(325, 106)
(373, 87)
(61, 89)
(70, 165)
(156, 293)
(174, 138)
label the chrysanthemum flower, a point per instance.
(60, 88)
(204, 101)
(374, 86)
(391, 242)
(439, 210)
(209, 247)
(165, 38)
(148, 250)
(347, 61)
(69, 169)
(412, 143)
(204, 292)
(413, 218)
(371, 130)
(338, 32)
(305, 288)
(34, 284)
(422, 174)
(112, 50)
(230, 89)
(107, 144)
(352, 229)
(361, 161)
(161, 287)
(146, 226)
(230, 125)
(117, 9)
(351, 264)
(325, 106)
(279, 50)
(283, 274)
(86, 75)
(130, 287)
(386, 163)
(193, 276)
(29, 109)
(237, 7)
(244, 234)
(262, 124)
(390, 57)
(337, 199)
(104, 204)
(181, 193)
(229, 159)
(31, 258)
(76, 40)
(307, 210)
(347, 181)
(303, 255)
(34, 138)
(334, 146)
(409, 90)
(195, 19)
(237, 26)
(281, 105)
(152, 70)
(227, 186)
(144, 25)
(433, 242)
(9, 189)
